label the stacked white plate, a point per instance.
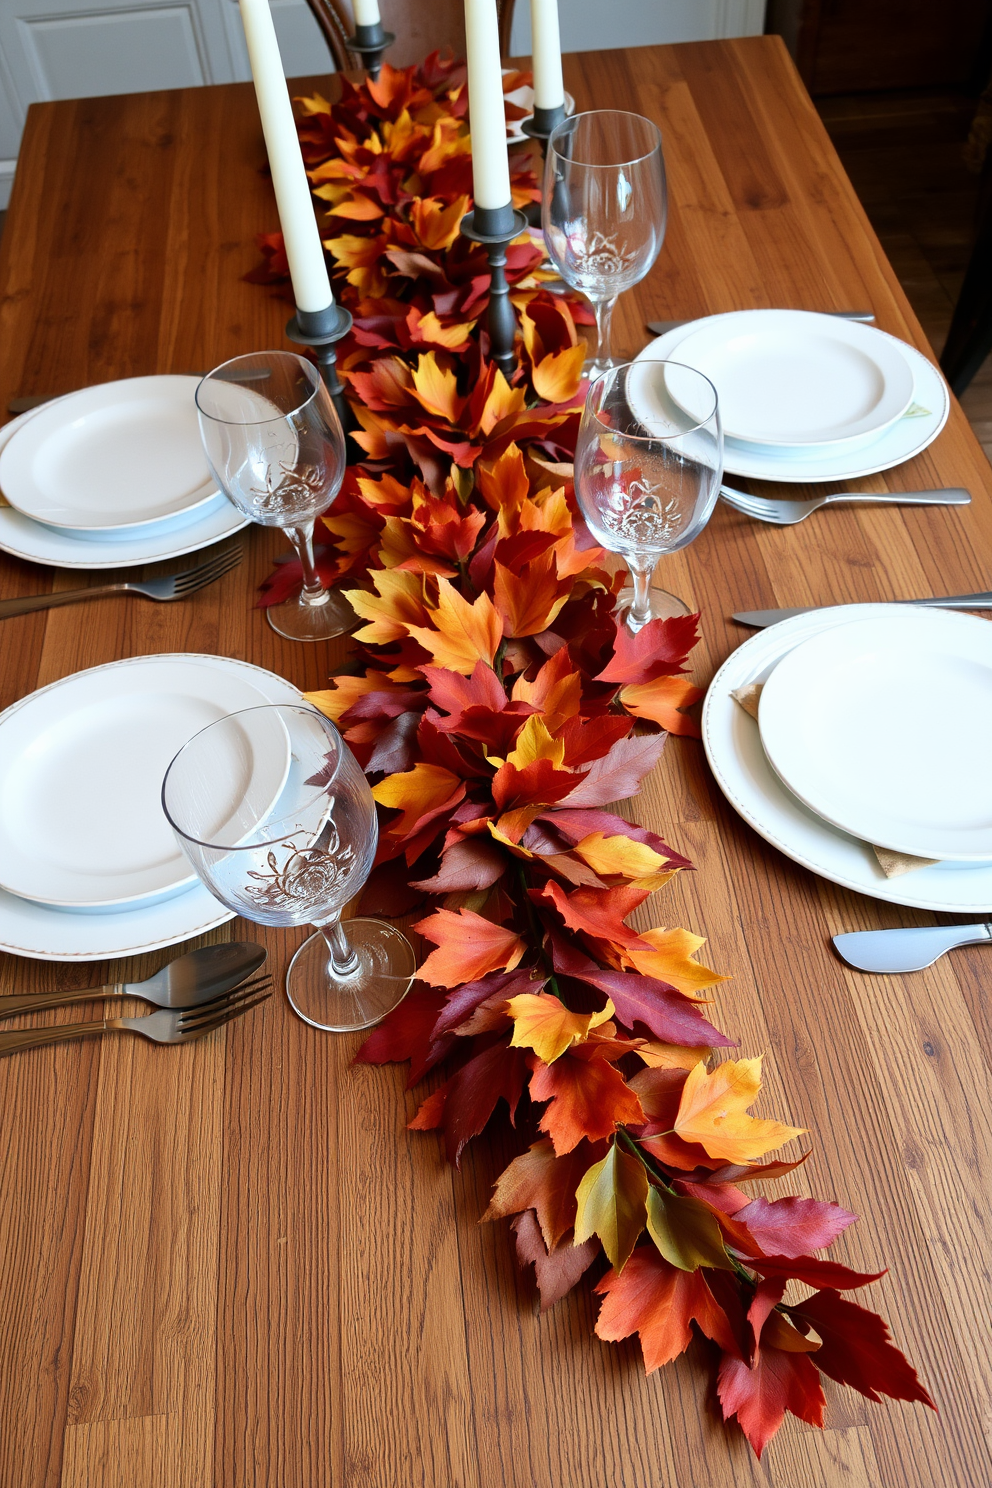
(111, 476)
(873, 727)
(89, 867)
(806, 397)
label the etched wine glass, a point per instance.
(276, 447)
(275, 814)
(648, 467)
(605, 206)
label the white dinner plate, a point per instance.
(884, 728)
(908, 436)
(81, 769)
(36, 543)
(744, 775)
(43, 933)
(524, 98)
(790, 378)
(117, 458)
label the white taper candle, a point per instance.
(487, 120)
(366, 12)
(307, 269)
(549, 90)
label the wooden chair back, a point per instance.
(421, 27)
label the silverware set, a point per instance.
(193, 995)
(176, 586)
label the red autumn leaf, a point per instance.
(618, 774)
(759, 1396)
(856, 1349)
(814, 1272)
(588, 1098)
(598, 912)
(658, 649)
(462, 1003)
(739, 1173)
(468, 947)
(473, 863)
(546, 1183)
(590, 739)
(662, 702)
(454, 693)
(667, 1014)
(574, 825)
(794, 1227)
(408, 1033)
(430, 1112)
(474, 1092)
(538, 783)
(557, 1271)
(660, 1302)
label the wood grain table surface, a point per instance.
(227, 1265)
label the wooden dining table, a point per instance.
(228, 1265)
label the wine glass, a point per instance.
(648, 467)
(604, 209)
(276, 447)
(275, 814)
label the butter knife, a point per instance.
(892, 951)
(760, 618)
(662, 327)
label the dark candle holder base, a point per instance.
(542, 124)
(322, 330)
(495, 228)
(369, 44)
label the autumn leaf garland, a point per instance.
(501, 712)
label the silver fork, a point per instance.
(787, 513)
(164, 1027)
(177, 586)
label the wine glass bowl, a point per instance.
(648, 467)
(276, 447)
(605, 207)
(276, 817)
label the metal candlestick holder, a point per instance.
(495, 228)
(542, 124)
(369, 43)
(322, 330)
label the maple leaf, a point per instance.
(461, 634)
(460, 1004)
(417, 792)
(468, 947)
(436, 388)
(408, 1033)
(610, 1202)
(556, 1271)
(598, 912)
(662, 702)
(530, 600)
(543, 1023)
(588, 1098)
(436, 225)
(668, 954)
(544, 1182)
(396, 605)
(621, 856)
(685, 1231)
(794, 1227)
(660, 1008)
(713, 1112)
(660, 1302)
(658, 649)
(856, 1349)
(534, 742)
(456, 693)
(759, 1395)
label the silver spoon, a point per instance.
(187, 982)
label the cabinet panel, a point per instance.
(120, 51)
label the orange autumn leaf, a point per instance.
(463, 634)
(504, 484)
(530, 601)
(415, 792)
(345, 693)
(557, 377)
(660, 1302)
(468, 948)
(543, 1023)
(588, 1098)
(393, 610)
(661, 701)
(610, 856)
(436, 225)
(611, 1203)
(436, 388)
(502, 403)
(429, 330)
(539, 1180)
(667, 955)
(713, 1112)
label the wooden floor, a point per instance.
(903, 153)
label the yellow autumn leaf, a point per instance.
(659, 1055)
(622, 855)
(556, 377)
(534, 743)
(451, 337)
(436, 225)
(502, 402)
(685, 1231)
(436, 388)
(460, 634)
(543, 1023)
(335, 701)
(508, 843)
(670, 959)
(713, 1111)
(415, 792)
(611, 1202)
(395, 608)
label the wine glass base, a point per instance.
(664, 606)
(298, 621)
(346, 1004)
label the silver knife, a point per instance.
(760, 618)
(893, 951)
(662, 327)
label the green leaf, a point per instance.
(611, 1204)
(685, 1231)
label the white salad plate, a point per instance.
(45, 933)
(908, 436)
(742, 771)
(81, 769)
(884, 728)
(790, 378)
(57, 548)
(116, 458)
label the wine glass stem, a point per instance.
(301, 537)
(640, 611)
(603, 310)
(344, 961)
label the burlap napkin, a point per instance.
(892, 864)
